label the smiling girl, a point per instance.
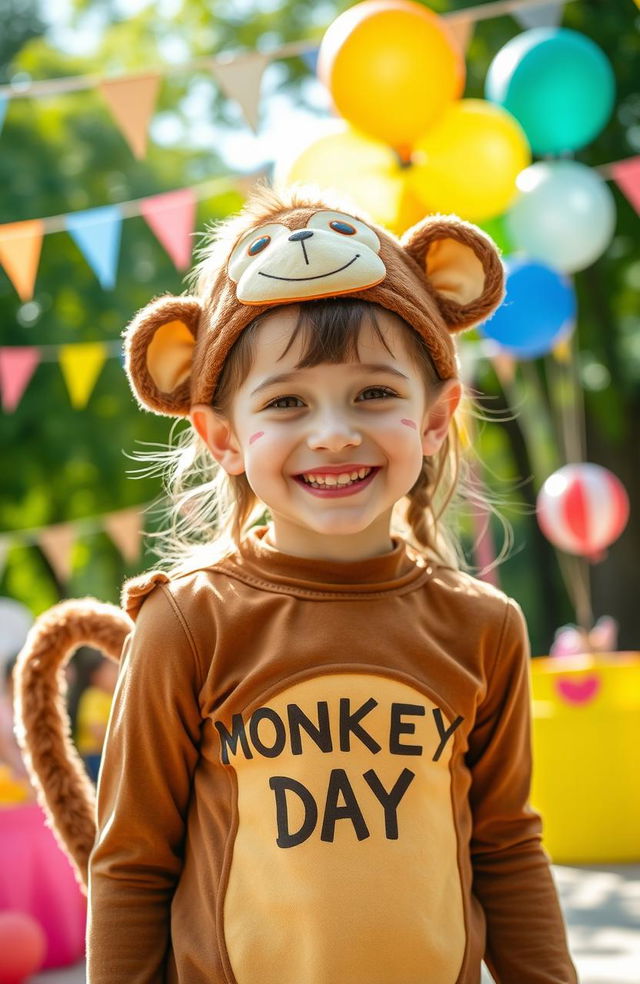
(318, 762)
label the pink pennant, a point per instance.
(17, 366)
(171, 218)
(626, 174)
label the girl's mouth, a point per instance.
(331, 488)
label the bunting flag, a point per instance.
(461, 30)
(3, 110)
(504, 365)
(56, 543)
(81, 365)
(20, 245)
(125, 530)
(171, 217)
(240, 79)
(132, 101)
(17, 366)
(626, 174)
(97, 232)
(310, 58)
(546, 15)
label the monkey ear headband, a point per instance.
(442, 277)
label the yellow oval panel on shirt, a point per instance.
(344, 866)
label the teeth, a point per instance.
(344, 478)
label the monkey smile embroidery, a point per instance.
(319, 276)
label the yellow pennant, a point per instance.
(81, 365)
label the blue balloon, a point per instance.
(557, 83)
(538, 310)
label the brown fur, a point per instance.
(42, 723)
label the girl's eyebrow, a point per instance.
(368, 367)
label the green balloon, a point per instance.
(557, 83)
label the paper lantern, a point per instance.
(582, 508)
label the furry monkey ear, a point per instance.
(462, 268)
(159, 347)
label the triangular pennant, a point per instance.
(172, 217)
(310, 58)
(240, 80)
(626, 174)
(546, 15)
(132, 101)
(125, 530)
(17, 366)
(80, 365)
(96, 232)
(20, 245)
(504, 365)
(461, 30)
(3, 110)
(56, 542)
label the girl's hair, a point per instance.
(203, 499)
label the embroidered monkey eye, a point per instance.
(344, 227)
(258, 245)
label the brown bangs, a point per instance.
(329, 330)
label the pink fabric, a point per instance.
(36, 878)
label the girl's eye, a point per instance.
(344, 227)
(280, 403)
(258, 245)
(377, 392)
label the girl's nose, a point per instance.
(333, 434)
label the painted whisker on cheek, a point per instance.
(254, 437)
(409, 423)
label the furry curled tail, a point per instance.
(42, 724)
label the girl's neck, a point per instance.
(299, 541)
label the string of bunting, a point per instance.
(124, 527)
(131, 98)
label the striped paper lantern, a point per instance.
(582, 508)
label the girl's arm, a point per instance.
(143, 796)
(526, 939)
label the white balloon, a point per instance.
(15, 622)
(564, 215)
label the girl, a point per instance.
(317, 765)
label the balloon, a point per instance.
(353, 164)
(391, 67)
(565, 215)
(582, 508)
(470, 135)
(22, 947)
(557, 83)
(539, 308)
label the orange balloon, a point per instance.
(391, 67)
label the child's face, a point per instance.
(348, 415)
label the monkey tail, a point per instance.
(43, 728)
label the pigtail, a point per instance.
(43, 728)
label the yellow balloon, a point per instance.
(352, 164)
(391, 67)
(468, 162)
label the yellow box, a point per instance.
(586, 747)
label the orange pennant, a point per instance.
(124, 528)
(132, 101)
(57, 543)
(461, 30)
(20, 245)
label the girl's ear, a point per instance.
(159, 346)
(462, 268)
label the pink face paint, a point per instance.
(409, 423)
(254, 437)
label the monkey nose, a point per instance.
(296, 237)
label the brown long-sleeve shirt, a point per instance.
(317, 772)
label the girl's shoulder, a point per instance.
(467, 598)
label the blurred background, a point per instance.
(127, 127)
